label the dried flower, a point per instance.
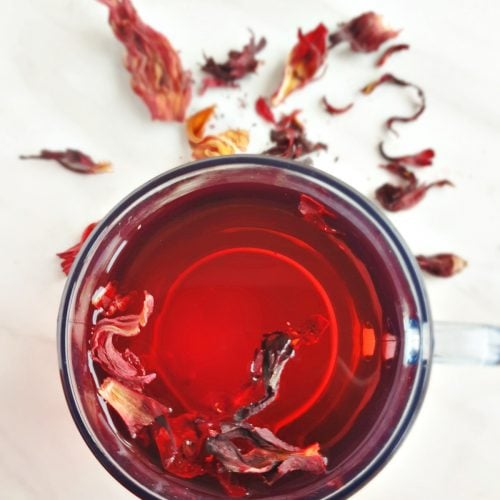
(156, 69)
(441, 264)
(365, 33)
(136, 410)
(224, 143)
(423, 158)
(124, 366)
(276, 349)
(262, 452)
(290, 139)
(390, 78)
(264, 111)
(395, 198)
(238, 65)
(389, 51)
(72, 159)
(68, 256)
(332, 110)
(304, 61)
(314, 213)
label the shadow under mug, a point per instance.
(402, 396)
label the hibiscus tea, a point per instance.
(228, 265)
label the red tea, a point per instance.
(227, 265)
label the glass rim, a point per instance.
(359, 201)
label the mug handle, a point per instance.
(466, 343)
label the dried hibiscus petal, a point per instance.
(244, 449)
(304, 61)
(441, 264)
(332, 110)
(238, 65)
(276, 349)
(224, 143)
(391, 79)
(290, 139)
(395, 198)
(314, 213)
(389, 51)
(110, 302)
(180, 442)
(264, 111)
(423, 158)
(135, 409)
(68, 256)
(124, 366)
(156, 69)
(365, 33)
(72, 159)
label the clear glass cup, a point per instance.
(455, 342)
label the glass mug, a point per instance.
(392, 412)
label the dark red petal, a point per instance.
(180, 441)
(290, 139)
(72, 159)
(423, 158)
(264, 452)
(314, 213)
(333, 110)
(304, 61)
(264, 111)
(276, 350)
(156, 69)
(124, 366)
(364, 33)
(389, 51)
(441, 264)
(68, 256)
(238, 65)
(391, 79)
(395, 198)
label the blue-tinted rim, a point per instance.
(406, 259)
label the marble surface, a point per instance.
(63, 85)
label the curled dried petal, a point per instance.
(391, 79)
(68, 256)
(72, 159)
(263, 453)
(441, 264)
(225, 143)
(365, 33)
(196, 124)
(304, 61)
(238, 65)
(423, 158)
(389, 51)
(276, 349)
(264, 111)
(332, 110)
(124, 366)
(136, 410)
(290, 139)
(314, 212)
(395, 198)
(156, 69)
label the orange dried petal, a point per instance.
(195, 124)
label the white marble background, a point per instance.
(62, 85)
